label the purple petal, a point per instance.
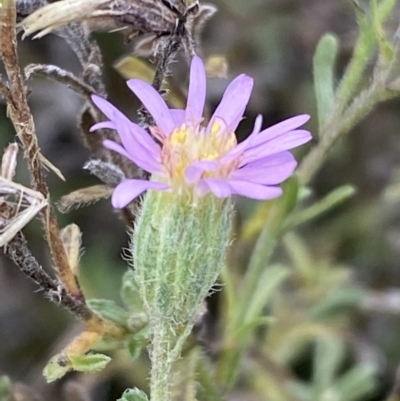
(154, 103)
(234, 102)
(145, 163)
(131, 134)
(116, 148)
(110, 111)
(278, 144)
(220, 188)
(238, 149)
(178, 116)
(128, 190)
(225, 188)
(272, 132)
(197, 91)
(136, 139)
(272, 160)
(272, 171)
(285, 126)
(254, 191)
(102, 125)
(195, 170)
(262, 138)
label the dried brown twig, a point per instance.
(21, 117)
(68, 289)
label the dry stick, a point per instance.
(62, 76)
(23, 122)
(17, 250)
(167, 54)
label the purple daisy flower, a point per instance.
(195, 158)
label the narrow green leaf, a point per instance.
(386, 49)
(109, 310)
(328, 356)
(356, 384)
(330, 201)
(301, 257)
(385, 9)
(133, 394)
(334, 303)
(249, 327)
(363, 50)
(268, 282)
(290, 195)
(324, 75)
(89, 363)
(267, 240)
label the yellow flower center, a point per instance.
(190, 144)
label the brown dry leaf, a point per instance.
(83, 196)
(71, 238)
(55, 15)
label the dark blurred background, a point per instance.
(273, 41)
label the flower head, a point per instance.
(196, 158)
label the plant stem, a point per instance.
(340, 125)
(161, 361)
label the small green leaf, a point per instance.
(266, 243)
(268, 282)
(324, 76)
(57, 367)
(289, 198)
(136, 344)
(89, 363)
(109, 310)
(363, 50)
(357, 383)
(133, 394)
(129, 292)
(330, 201)
(348, 297)
(328, 356)
(386, 50)
(249, 327)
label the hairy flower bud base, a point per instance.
(179, 249)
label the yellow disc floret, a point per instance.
(189, 144)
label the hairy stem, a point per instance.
(340, 125)
(161, 361)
